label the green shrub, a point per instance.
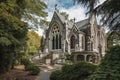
(56, 75)
(25, 61)
(68, 56)
(67, 68)
(34, 70)
(84, 68)
(32, 53)
(77, 71)
(109, 67)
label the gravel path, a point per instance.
(44, 75)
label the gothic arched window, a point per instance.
(53, 44)
(59, 41)
(72, 42)
(91, 46)
(56, 37)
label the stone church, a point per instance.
(84, 40)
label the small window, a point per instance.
(53, 43)
(72, 42)
(56, 41)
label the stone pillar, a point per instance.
(99, 58)
(96, 59)
(75, 58)
(85, 57)
(69, 47)
(63, 45)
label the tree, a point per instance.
(109, 67)
(109, 10)
(33, 43)
(34, 12)
(89, 4)
(42, 44)
(64, 14)
(67, 16)
(113, 39)
(13, 31)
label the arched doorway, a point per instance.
(89, 58)
(80, 58)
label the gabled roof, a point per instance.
(70, 24)
(80, 24)
(62, 18)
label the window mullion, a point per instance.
(58, 42)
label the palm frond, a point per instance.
(89, 4)
(110, 12)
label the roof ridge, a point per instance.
(81, 24)
(61, 17)
(81, 20)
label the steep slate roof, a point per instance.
(62, 18)
(82, 24)
(70, 24)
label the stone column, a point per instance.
(54, 42)
(69, 47)
(85, 57)
(75, 58)
(96, 59)
(63, 45)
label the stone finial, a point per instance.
(56, 7)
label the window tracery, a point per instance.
(56, 37)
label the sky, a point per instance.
(74, 11)
(68, 6)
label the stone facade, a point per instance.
(84, 40)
